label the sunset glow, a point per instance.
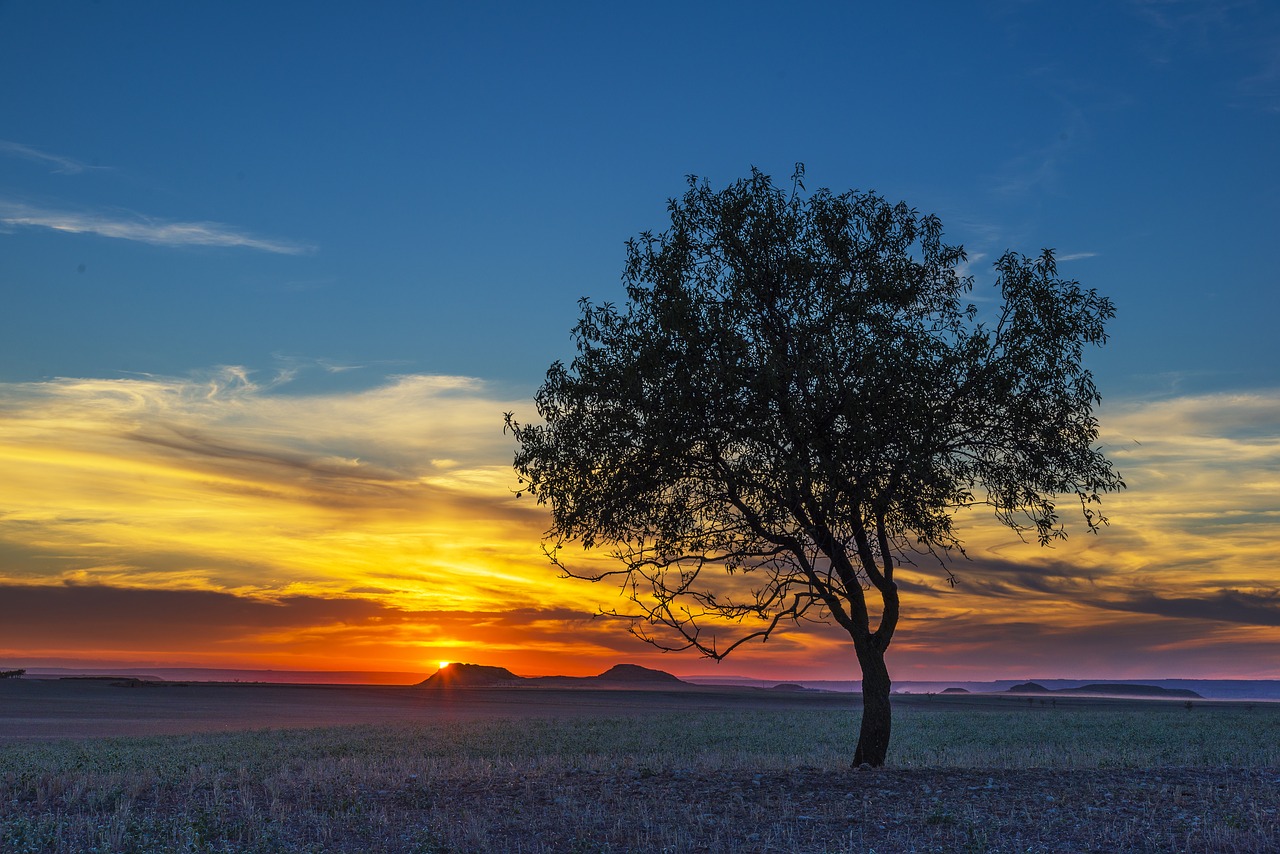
(220, 521)
(264, 312)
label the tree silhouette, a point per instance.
(796, 400)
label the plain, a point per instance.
(699, 770)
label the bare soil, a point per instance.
(97, 708)
(539, 804)
(1165, 810)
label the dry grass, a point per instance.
(1138, 777)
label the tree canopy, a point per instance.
(797, 397)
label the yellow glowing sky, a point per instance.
(221, 521)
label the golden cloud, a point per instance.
(398, 499)
(219, 483)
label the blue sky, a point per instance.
(429, 187)
(266, 201)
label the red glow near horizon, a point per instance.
(238, 545)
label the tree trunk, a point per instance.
(877, 717)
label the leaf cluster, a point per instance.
(799, 388)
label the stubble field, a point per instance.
(260, 769)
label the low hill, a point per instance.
(1029, 688)
(458, 675)
(470, 676)
(1121, 689)
(791, 686)
(1107, 689)
(633, 673)
(955, 690)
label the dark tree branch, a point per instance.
(794, 402)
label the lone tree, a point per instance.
(796, 400)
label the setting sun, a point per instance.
(444, 664)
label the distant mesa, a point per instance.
(955, 690)
(636, 673)
(112, 679)
(1107, 689)
(1121, 689)
(1029, 688)
(460, 675)
(791, 686)
(146, 682)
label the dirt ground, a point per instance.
(345, 805)
(91, 708)
(838, 810)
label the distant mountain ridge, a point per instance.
(461, 675)
(469, 676)
(636, 673)
(1108, 689)
(1264, 690)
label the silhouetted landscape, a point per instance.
(140, 704)
(619, 676)
(663, 428)
(1210, 689)
(631, 758)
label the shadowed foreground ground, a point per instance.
(92, 708)
(80, 708)
(263, 769)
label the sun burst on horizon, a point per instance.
(444, 664)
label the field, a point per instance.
(595, 771)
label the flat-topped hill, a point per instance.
(1029, 688)
(636, 673)
(1108, 689)
(470, 676)
(1122, 689)
(458, 675)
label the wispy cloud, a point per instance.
(221, 628)
(1249, 607)
(1076, 256)
(1039, 169)
(233, 492)
(62, 165)
(1261, 90)
(145, 229)
(235, 495)
(217, 481)
(1185, 574)
(1240, 35)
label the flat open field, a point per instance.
(74, 708)
(85, 766)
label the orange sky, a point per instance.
(223, 521)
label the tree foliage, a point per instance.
(799, 396)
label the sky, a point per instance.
(272, 273)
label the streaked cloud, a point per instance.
(145, 229)
(1038, 169)
(219, 481)
(377, 528)
(1261, 90)
(1246, 34)
(61, 164)
(1076, 256)
(1183, 580)
(1248, 607)
(305, 632)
